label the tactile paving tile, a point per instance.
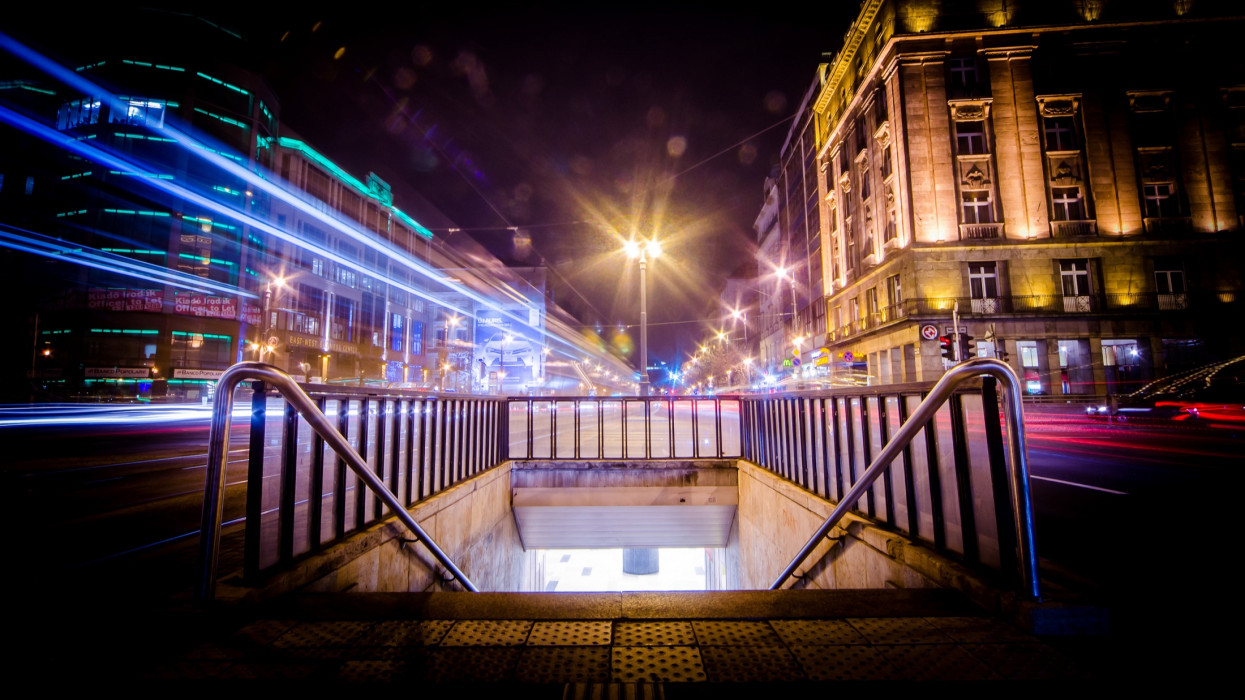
(817, 632)
(370, 671)
(321, 639)
(1025, 661)
(749, 664)
(647, 634)
(734, 633)
(407, 633)
(471, 633)
(621, 691)
(898, 630)
(573, 633)
(563, 664)
(656, 664)
(469, 664)
(263, 631)
(935, 662)
(843, 663)
(980, 630)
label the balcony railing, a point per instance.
(1069, 304)
(1071, 229)
(1169, 225)
(977, 231)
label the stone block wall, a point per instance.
(471, 522)
(777, 517)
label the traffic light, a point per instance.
(968, 347)
(948, 349)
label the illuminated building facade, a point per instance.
(153, 238)
(1069, 175)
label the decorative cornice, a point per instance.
(1059, 105)
(970, 110)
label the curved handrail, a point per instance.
(218, 449)
(1018, 465)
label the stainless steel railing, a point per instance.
(1017, 462)
(218, 450)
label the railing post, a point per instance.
(218, 450)
(1006, 526)
(254, 480)
(287, 495)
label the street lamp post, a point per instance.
(262, 343)
(636, 250)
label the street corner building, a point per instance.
(1067, 179)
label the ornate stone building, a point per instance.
(1069, 175)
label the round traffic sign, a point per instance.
(929, 331)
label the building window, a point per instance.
(1029, 363)
(77, 113)
(1067, 204)
(1169, 283)
(1074, 278)
(1160, 200)
(963, 76)
(1060, 133)
(983, 287)
(894, 291)
(148, 113)
(976, 207)
(970, 137)
(395, 333)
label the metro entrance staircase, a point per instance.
(303, 613)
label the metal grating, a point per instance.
(817, 632)
(749, 664)
(474, 633)
(898, 630)
(645, 634)
(578, 633)
(734, 633)
(564, 664)
(657, 664)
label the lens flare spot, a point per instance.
(775, 102)
(747, 154)
(676, 146)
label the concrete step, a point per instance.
(569, 644)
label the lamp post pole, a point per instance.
(643, 327)
(642, 251)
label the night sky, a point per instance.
(576, 127)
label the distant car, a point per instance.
(1215, 392)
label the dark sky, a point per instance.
(575, 126)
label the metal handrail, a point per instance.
(218, 450)
(1018, 464)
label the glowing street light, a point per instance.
(636, 250)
